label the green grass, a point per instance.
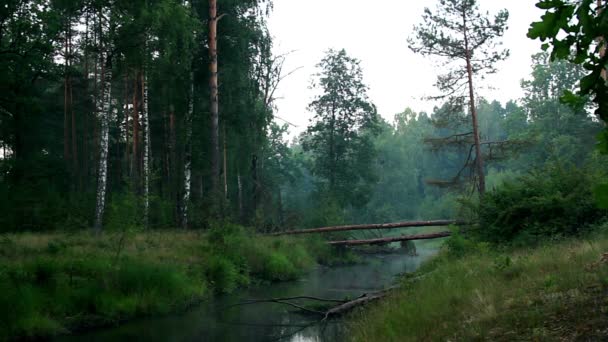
(555, 292)
(60, 282)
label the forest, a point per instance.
(146, 171)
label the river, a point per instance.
(214, 320)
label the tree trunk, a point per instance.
(602, 40)
(146, 147)
(478, 152)
(239, 194)
(126, 93)
(214, 100)
(382, 241)
(74, 136)
(135, 154)
(188, 156)
(355, 303)
(66, 122)
(395, 225)
(104, 112)
(225, 168)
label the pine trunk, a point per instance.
(478, 153)
(225, 168)
(240, 193)
(71, 104)
(214, 100)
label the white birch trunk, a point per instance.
(146, 151)
(188, 156)
(104, 111)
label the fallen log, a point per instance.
(389, 239)
(350, 305)
(394, 225)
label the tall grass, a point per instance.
(55, 283)
(553, 292)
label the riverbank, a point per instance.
(61, 282)
(555, 292)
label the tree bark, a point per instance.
(104, 118)
(478, 154)
(188, 156)
(350, 305)
(126, 93)
(135, 154)
(239, 185)
(225, 168)
(146, 151)
(66, 122)
(602, 40)
(214, 100)
(71, 95)
(395, 225)
(382, 241)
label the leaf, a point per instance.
(602, 142)
(573, 100)
(549, 4)
(588, 82)
(601, 195)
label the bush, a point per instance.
(554, 202)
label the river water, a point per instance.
(215, 320)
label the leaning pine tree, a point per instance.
(458, 32)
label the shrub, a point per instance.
(554, 202)
(223, 274)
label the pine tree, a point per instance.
(460, 33)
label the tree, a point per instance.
(104, 114)
(585, 23)
(214, 97)
(339, 136)
(469, 40)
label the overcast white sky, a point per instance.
(376, 33)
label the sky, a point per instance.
(376, 32)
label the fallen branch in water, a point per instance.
(272, 300)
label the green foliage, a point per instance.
(553, 202)
(339, 137)
(124, 212)
(538, 294)
(52, 283)
(583, 26)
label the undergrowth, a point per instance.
(553, 292)
(61, 282)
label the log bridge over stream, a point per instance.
(379, 241)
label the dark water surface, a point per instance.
(213, 321)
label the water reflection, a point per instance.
(217, 321)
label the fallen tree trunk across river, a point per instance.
(394, 225)
(381, 241)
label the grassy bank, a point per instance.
(555, 292)
(60, 282)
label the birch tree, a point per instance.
(146, 152)
(104, 112)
